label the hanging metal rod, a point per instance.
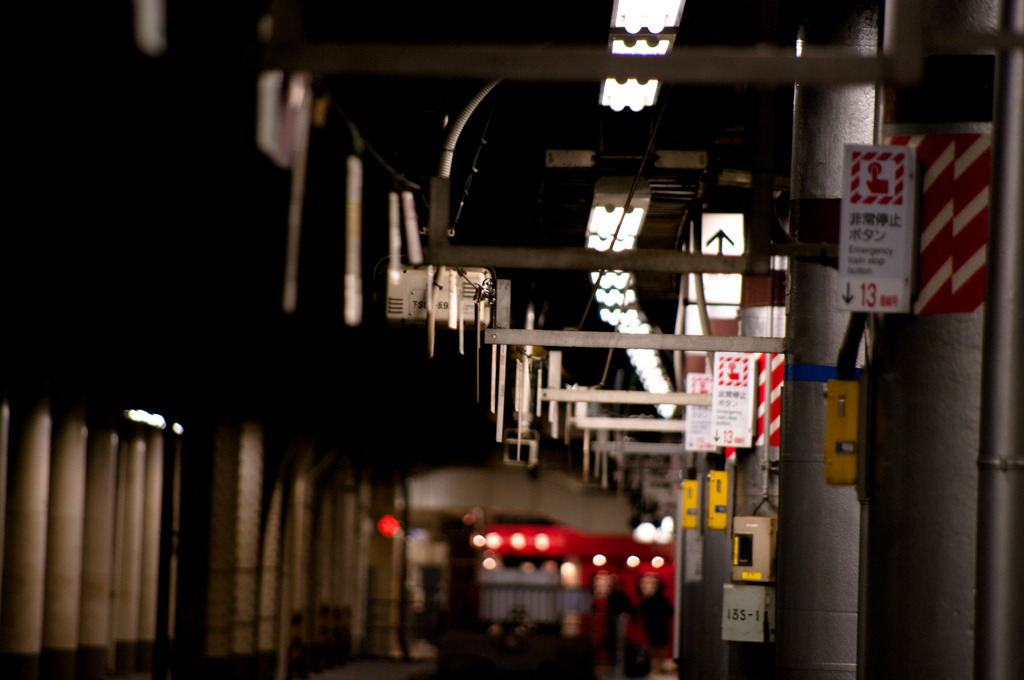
(612, 340)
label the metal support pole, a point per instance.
(149, 558)
(64, 545)
(97, 552)
(999, 626)
(21, 619)
(161, 648)
(128, 573)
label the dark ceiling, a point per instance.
(149, 263)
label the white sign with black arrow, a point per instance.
(732, 399)
(877, 229)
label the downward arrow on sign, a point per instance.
(849, 296)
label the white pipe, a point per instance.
(297, 119)
(413, 247)
(394, 237)
(353, 242)
(455, 129)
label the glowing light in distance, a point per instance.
(569, 573)
(479, 541)
(633, 561)
(600, 560)
(517, 541)
(178, 429)
(490, 563)
(658, 562)
(645, 532)
(388, 526)
(493, 540)
(151, 419)
(542, 542)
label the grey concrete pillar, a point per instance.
(247, 548)
(925, 390)
(268, 634)
(21, 619)
(712, 661)
(756, 479)
(383, 612)
(149, 567)
(818, 541)
(324, 540)
(5, 429)
(355, 537)
(921, 535)
(64, 546)
(234, 558)
(131, 492)
(294, 621)
(97, 553)
(221, 565)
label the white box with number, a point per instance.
(748, 613)
(407, 296)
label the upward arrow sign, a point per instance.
(720, 236)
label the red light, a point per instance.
(388, 525)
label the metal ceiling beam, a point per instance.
(585, 259)
(624, 397)
(612, 340)
(722, 65)
(639, 448)
(630, 424)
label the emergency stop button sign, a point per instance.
(877, 229)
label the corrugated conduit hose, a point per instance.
(444, 168)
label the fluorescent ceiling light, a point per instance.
(641, 48)
(654, 15)
(612, 279)
(615, 293)
(603, 222)
(630, 94)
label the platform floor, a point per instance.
(385, 669)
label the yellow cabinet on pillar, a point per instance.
(691, 505)
(718, 499)
(841, 426)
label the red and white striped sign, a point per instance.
(877, 177)
(778, 374)
(954, 220)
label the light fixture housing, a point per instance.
(631, 94)
(654, 15)
(643, 43)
